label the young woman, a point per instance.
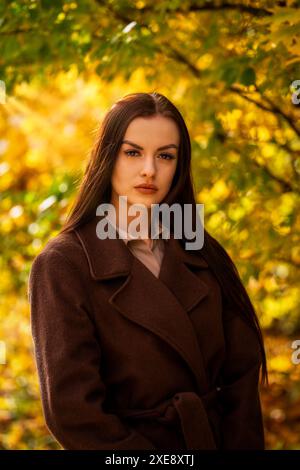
(139, 342)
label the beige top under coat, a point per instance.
(149, 251)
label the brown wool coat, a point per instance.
(126, 360)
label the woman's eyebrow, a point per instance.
(141, 148)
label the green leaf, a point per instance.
(230, 75)
(248, 76)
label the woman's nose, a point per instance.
(148, 168)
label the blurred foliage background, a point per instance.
(228, 66)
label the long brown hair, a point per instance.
(95, 189)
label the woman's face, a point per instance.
(141, 160)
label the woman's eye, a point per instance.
(166, 156)
(169, 157)
(130, 151)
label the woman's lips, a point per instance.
(146, 190)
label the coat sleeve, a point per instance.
(242, 421)
(68, 356)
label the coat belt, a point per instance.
(187, 408)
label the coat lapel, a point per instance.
(161, 305)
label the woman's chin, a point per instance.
(144, 201)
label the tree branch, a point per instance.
(239, 92)
(287, 187)
(175, 54)
(281, 113)
(274, 109)
(255, 11)
(17, 31)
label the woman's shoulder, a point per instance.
(64, 243)
(63, 249)
(60, 267)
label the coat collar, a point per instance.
(122, 229)
(109, 258)
(163, 305)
